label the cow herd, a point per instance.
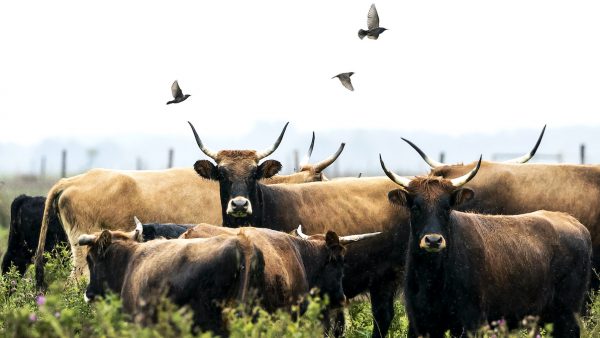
(468, 243)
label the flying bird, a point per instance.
(177, 93)
(372, 24)
(345, 80)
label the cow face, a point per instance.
(238, 172)
(329, 280)
(103, 269)
(430, 200)
(99, 270)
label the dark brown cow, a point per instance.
(218, 265)
(509, 189)
(293, 265)
(108, 199)
(465, 269)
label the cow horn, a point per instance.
(306, 157)
(262, 154)
(139, 230)
(460, 181)
(328, 161)
(529, 155)
(356, 238)
(86, 239)
(204, 149)
(432, 163)
(300, 233)
(403, 181)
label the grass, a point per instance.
(62, 312)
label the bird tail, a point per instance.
(362, 33)
(173, 101)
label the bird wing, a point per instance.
(373, 18)
(175, 90)
(345, 80)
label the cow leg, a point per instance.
(79, 263)
(336, 329)
(566, 325)
(382, 306)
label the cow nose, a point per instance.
(240, 204)
(433, 242)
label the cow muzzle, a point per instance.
(239, 207)
(432, 243)
(88, 296)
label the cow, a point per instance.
(108, 199)
(465, 269)
(25, 221)
(205, 271)
(353, 205)
(508, 189)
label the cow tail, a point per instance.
(49, 211)
(251, 274)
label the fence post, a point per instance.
(43, 168)
(296, 160)
(171, 155)
(63, 164)
(138, 163)
(582, 153)
(442, 157)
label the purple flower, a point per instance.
(40, 300)
(32, 317)
(57, 314)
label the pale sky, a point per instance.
(80, 68)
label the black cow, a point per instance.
(464, 269)
(25, 221)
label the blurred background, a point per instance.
(84, 85)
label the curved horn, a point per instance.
(300, 233)
(204, 149)
(432, 163)
(86, 239)
(460, 181)
(328, 161)
(403, 181)
(306, 157)
(137, 234)
(262, 154)
(529, 155)
(356, 238)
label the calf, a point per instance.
(25, 221)
(465, 269)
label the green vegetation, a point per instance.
(62, 312)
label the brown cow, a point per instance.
(222, 266)
(465, 270)
(353, 205)
(108, 199)
(509, 189)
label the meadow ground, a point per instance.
(62, 312)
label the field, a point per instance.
(63, 313)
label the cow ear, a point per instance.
(332, 241)
(206, 169)
(461, 196)
(268, 168)
(400, 197)
(104, 241)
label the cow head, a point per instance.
(238, 172)
(314, 172)
(328, 278)
(102, 273)
(430, 200)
